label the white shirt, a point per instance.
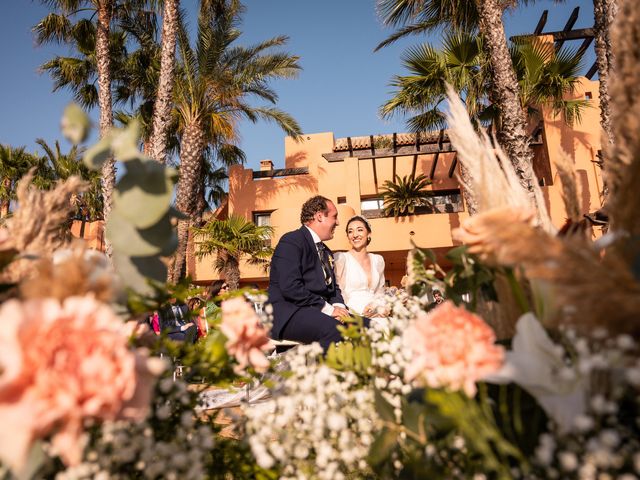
(328, 308)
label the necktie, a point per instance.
(324, 260)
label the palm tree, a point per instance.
(164, 98)
(58, 27)
(545, 77)
(88, 204)
(604, 12)
(485, 16)
(213, 90)
(422, 94)
(14, 163)
(230, 240)
(403, 195)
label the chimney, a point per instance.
(266, 165)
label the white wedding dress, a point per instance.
(357, 289)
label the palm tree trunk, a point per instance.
(232, 272)
(604, 12)
(105, 13)
(164, 99)
(192, 146)
(513, 132)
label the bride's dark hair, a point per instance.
(358, 218)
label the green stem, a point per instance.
(517, 290)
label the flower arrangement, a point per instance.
(524, 372)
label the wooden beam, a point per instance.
(592, 71)
(375, 174)
(402, 151)
(394, 168)
(281, 172)
(584, 45)
(350, 146)
(452, 169)
(373, 147)
(578, 34)
(433, 166)
(417, 144)
(415, 164)
(541, 23)
(395, 141)
(568, 26)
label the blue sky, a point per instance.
(340, 89)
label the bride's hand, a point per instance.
(370, 311)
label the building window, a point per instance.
(372, 207)
(588, 95)
(263, 219)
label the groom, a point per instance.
(307, 303)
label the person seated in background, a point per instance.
(174, 319)
(360, 274)
(197, 307)
(437, 297)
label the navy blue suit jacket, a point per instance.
(297, 280)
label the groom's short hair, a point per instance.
(312, 206)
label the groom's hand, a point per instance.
(339, 312)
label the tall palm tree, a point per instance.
(58, 26)
(217, 81)
(422, 94)
(164, 98)
(604, 12)
(416, 16)
(545, 77)
(230, 240)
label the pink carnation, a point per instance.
(62, 363)
(452, 348)
(247, 338)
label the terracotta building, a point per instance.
(351, 171)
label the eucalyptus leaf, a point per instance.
(135, 272)
(143, 194)
(96, 155)
(124, 142)
(75, 124)
(159, 239)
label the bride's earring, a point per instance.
(368, 240)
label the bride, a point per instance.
(360, 274)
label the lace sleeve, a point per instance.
(340, 270)
(379, 259)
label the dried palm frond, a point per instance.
(622, 167)
(570, 188)
(38, 227)
(591, 291)
(490, 175)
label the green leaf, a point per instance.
(382, 447)
(75, 124)
(384, 408)
(143, 194)
(124, 143)
(96, 155)
(159, 239)
(135, 272)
